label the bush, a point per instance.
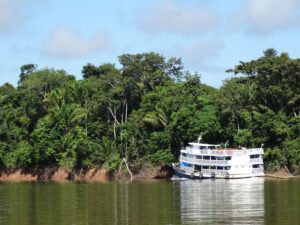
(23, 155)
(293, 154)
(161, 157)
(113, 162)
(243, 137)
(274, 158)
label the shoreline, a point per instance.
(282, 173)
(281, 177)
(53, 174)
(146, 172)
(277, 176)
(88, 175)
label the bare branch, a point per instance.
(113, 115)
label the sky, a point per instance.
(209, 36)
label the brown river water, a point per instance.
(242, 201)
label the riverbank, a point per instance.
(103, 175)
(89, 175)
(58, 175)
(281, 174)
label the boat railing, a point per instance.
(206, 171)
(212, 171)
(224, 152)
(258, 170)
(257, 161)
(256, 151)
(211, 162)
(204, 161)
(219, 152)
(186, 159)
(220, 172)
(189, 169)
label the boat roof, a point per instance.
(202, 144)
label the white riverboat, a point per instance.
(199, 161)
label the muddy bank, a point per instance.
(151, 172)
(90, 175)
(101, 175)
(281, 174)
(58, 175)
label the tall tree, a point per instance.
(26, 70)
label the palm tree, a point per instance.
(157, 118)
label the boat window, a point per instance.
(190, 156)
(255, 166)
(213, 167)
(213, 157)
(254, 156)
(183, 154)
(220, 167)
(227, 167)
(197, 168)
(205, 167)
(206, 157)
(198, 156)
(228, 157)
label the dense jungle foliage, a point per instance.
(146, 110)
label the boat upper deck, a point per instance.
(216, 150)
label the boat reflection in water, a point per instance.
(239, 201)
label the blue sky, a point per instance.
(209, 36)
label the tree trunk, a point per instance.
(126, 111)
(115, 124)
(86, 117)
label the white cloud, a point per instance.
(173, 17)
(197, 54)
(202, 57)
(266, 16)
(12, 14)
(66, 43)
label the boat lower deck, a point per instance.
(207, 174)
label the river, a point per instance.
(243, 201)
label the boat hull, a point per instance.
(198, 175)
(194, 176)
(238, 176)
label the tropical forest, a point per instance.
(145, 109)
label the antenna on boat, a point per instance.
(262, 145)
(226, 143)
(199, 138)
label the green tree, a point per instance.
(26, 70)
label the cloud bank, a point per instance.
(66, 43)
(266, 16)
(197, 54)
(174, 17)
(12, 14)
